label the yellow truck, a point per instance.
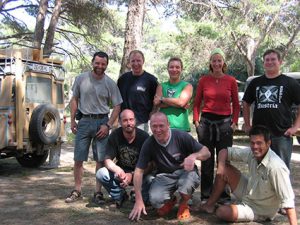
(31, 107)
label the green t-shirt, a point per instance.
(178, 117)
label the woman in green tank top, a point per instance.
(172, 97)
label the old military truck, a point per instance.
(31, 107)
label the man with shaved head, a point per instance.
(123, 146)
(174, 152)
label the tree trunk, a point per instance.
(133, 30)
(251, 47)
(48, 48)
(289, 44)
(39, 26)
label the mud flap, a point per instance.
(54, 157)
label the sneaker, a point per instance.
(120, 202)
(98, 198)
(73, 197)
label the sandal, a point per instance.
(183, 212)
(167, 207)
(132, 196)
(98, 198)
(74, 196)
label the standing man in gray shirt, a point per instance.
(93, 92)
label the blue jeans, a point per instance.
(283, 147)
(86, 133)
(112, 185)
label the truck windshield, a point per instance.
(38, 90)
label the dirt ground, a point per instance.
(36, 196)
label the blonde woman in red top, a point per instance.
(217, 104)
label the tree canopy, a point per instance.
(190, 29)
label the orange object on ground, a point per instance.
(167, 207)
(183, 212)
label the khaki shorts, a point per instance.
(245, 212)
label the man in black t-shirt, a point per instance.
(138, 89)
(123, 146)
(273, 94)
(174, 153)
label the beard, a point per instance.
(129, 129)
(98, 71)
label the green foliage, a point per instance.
(32, 10)
(207, 30)
(295, 67)
(89, 26)
(88, 15)
(14, 25)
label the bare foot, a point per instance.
(203, 208)
(208, 208)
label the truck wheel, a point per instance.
(32, 160)
(44, 126)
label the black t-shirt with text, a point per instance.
(273, 99)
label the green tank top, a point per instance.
(178, 117)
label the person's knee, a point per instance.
(102, 175)
(156, 198)
(78, 164)
(226, 213)
(186, 188)
(188, 182)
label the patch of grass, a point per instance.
(70, 138)
(64, 169)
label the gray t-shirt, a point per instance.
(95, 95)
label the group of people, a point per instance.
(163, 164)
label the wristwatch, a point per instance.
(161, 99)
(108, 126)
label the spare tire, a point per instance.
(44, 126)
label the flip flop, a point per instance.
(183, 212)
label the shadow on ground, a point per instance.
(36, 196)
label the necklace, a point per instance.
(217, 78)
